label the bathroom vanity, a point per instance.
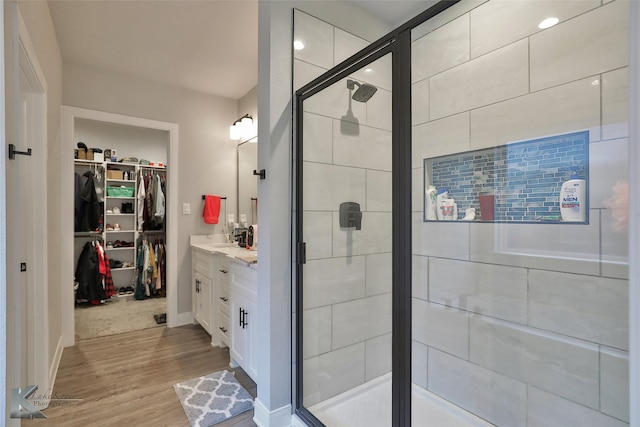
(224, 293)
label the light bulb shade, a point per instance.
(234, 132)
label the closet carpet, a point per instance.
(127, 379)
(124, 314)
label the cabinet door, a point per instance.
(252, 358)
(202, 299)
(239, 332)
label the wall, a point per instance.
(206, 155)
(532, 320)
(275, 155)
(40, 27)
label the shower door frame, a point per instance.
(398, 44)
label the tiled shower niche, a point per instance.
(524, 177)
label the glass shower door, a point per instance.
(346, 283)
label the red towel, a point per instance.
(211, 209)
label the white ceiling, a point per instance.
(210, 46)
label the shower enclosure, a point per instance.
(507, 313)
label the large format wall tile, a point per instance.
(420, 277)
(316, 233)
(518, 19)
(378, 356)
(346, 44)
(440, 137)
(326, 186)
(546, 409)
(333, 373)
(566, 367)
(494, 397)
(417, 190)
(588, 307)
(564, 109)
(370, 149)
(333, 280)
(497, 76)
(440, 240)
(420, 102)
(419, 360)
(378, 191)
(589, 44)
(444, 48)
(614, 258)
(493, 290)
(303, 73)
(444, 328)
(615, 104)
(317, 37)
(317, 326)
(379, 110)
(379, 274)
(614, 383)
(360, 320)
(570, 248)
(608, 165)
(317, 138)
(373, 238)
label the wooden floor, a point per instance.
(127, 379)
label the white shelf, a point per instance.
(120, 214)
(117, 197)
(121, 180)
(120, 231)
(123, 269)
(120, 248)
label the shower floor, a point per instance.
(369, 405)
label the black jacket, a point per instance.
(88, 275)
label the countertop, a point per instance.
(215, 245)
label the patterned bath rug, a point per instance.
(213, 398)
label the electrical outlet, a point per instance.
(186, 208)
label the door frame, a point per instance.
(69, 115)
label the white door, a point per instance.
(27, 314)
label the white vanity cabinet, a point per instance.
(244, 316)
(203, 275)
(222, 301)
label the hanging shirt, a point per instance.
(159, 201)
(140, 198)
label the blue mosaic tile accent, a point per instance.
(525, 177)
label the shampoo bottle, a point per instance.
(431, 196)
(442, 194)
(572, 199)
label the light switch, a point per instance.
(186, 208)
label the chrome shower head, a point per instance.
(364, 92)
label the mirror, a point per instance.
(247, 182)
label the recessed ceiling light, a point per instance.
(298, 45)
(549, 22)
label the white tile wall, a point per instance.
(303, 73)
(417, 190)
(467, 385)
(442, 49)
(419, 360)
(317, 320)
(615, 104)
(569, 248)
(326, 186)
(449, 240)
(588, 307)
(614, 383)
(439, 137)
(379, 274)
(334, 102)
(608, 164)
(493, 290)
(568, 108)
(517, 20)
(566, 367)
(316, 137)
(420, 102)
(451, 334)
(317, 229)
(378, 356)
(370, 149)
(546, 409)
(333, 280)
(375, 236)
(379, 191)
(420, 277)
(589, 44)
(615, 249)
(346, 44)
(497, 76)
(361, 319)
(332, 373)
(379, 110)
(317, 37)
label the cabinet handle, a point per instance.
(240, 310)
(223, 329)
(224, 299)
(223, 271)
(246, 323)
(197, 286)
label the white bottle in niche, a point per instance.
(431, 196)
(572, 199)
(442, 194)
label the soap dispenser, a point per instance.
(572, 198)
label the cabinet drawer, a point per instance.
(225, 330)
(201, 263)
(223, 301)
(223, 271)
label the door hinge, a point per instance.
(301, 255)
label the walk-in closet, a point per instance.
(120, 244)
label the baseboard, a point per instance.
(281, 417)
(55, 364)
(183, 319)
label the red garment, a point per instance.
(102, 268)
(211, 209)
(109, 288)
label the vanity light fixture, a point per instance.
(241, 128)
(548, 23)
